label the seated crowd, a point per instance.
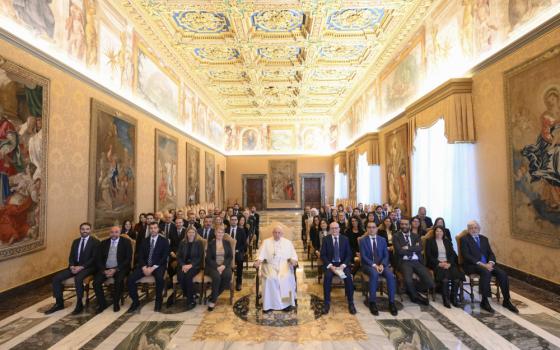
(161, 249)
(415, 251)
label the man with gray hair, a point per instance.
(478, 258)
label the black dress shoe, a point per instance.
(288, 308)
(326, 309)
(373, 309)
(78, 309)
(238, 287)
(116, 307)
(157, 307)
(393, 309)
(191, 305)
(267, 311)
(352, 309)
(54, 308)
(211, 308)
(455, 303)
(133, 307)
(99, 309)
(485, 305)
(446, 303)
(171, 300)
(420, 300)
(508, 305)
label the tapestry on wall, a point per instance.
(112, 180)
(282, 174)
(352, 175)
(532, 93)
(398, 169)
(210, 177)
(166, 171)
(24, 112)
(193, 174)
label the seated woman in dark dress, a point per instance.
(441, 222)
(386, 231)
(442, 260)
(189, 259)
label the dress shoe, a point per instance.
(373, 309)
(54, 308)
(116, 307)
(157, 307)
(446, 303)
(238, 287)
(420, 300)
(211, 308)
(455, 303)
(78, 309)
(99, 309)
(135, 306)
(508, 305)
(288, 308)
(267, 311)
(171, 300)
(190, 305)
(326, 309)
(393, 309)
(352, 309)
(485, 305)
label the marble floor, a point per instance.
(243, 326)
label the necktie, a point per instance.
(482, 256)
(150, 255)
(233, 233)
(167, 230)
(336, 251)
(408, 239)
(81, 248)
(374, 249)
(205, 233)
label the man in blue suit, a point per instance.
(374, 258)
(152, 261)
(336, 254)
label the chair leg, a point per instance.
(86, 289)
(497, 292)
(472, 291)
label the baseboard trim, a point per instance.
(26, 287)
(532, 279)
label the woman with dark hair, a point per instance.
(322, 213)
(189, 262)
(141, 226)
(442, 259)
(127, 229)
(370, 218)
(416, 226)
(318, 235)
(386, 230)
(446, 232)
(354, 231)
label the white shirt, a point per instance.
(409, 243)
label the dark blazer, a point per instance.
(241, 241)
(257, 221)
(472, 254)
(314, 235)
(131, 233)
(378, 219)
(172, 229)
(399, 242)
(197, 253)
(211, 234)
(211, 255)
(175, 237)
(427, 220)
(160, 255)
(353, 239)
(366, 254)
(327, 250)
(194, 223)
(304, 218)
(124, 254)
(87, 257)
(432, 253)
(383, 233)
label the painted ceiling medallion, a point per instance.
(355, 19)
(279, 53)
(274, 21)
(201, 21)
(216, 53)
(342, 52)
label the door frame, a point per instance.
(303, 176)
(244, 178)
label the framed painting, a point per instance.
(166, 171)
(210, 177)
(24, 115)
(282, 177)
(112, 179)
(193, 174)
(352, 175)
(532, 98)
(398, 169)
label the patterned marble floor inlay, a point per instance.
(244, 326)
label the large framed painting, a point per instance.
(166, 171)
(193, 174)
(532, 92)
(210, 177)
(398, 168)
(283, 177)
(24, 115)
(112, 180)
(352, 175)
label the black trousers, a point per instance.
(407, 268)
(118, 286)
(138, 274)
(239, 268)
(78, 283)
(220, 282)
(327, 284)
(485, 278)
(186, 282)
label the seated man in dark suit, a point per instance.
(167, 226)
(152, 261)
(240, 236)
(374, 257)
(113, 260)
(479, 259)
(425, 221)
(337, 255)
(256, 222)
(81, 264)
(408, 247)
(207, 232)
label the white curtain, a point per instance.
(444, 178)
(340, 184)
(369, 181)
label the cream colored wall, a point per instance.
(68, 154)
(240, 165)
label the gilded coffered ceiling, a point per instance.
(277, 60)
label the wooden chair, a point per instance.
(109, 283)
(69, 285)
(199, 278)
(472, 279)
(207, 281)
(364, 278)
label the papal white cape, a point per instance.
(279, 283)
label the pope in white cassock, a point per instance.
(277, 258)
